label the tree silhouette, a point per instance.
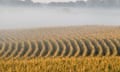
(28, 1)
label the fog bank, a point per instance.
(18, 17)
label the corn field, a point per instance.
(69, 49)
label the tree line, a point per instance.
(79, 3)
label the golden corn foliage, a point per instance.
(82, 64)
(68, 49)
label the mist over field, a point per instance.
(60, 35)
(32, 17)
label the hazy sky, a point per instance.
(52, 0)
